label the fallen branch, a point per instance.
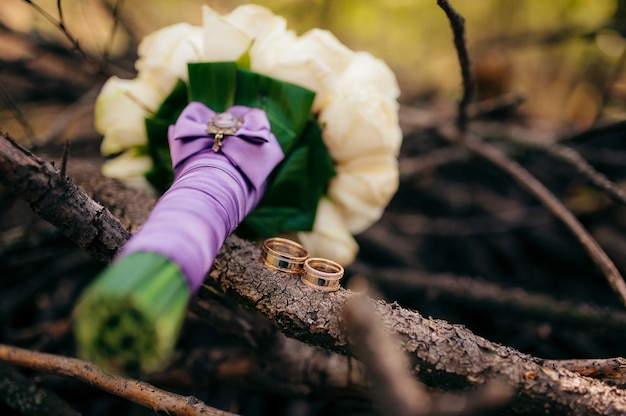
(59, 201)
(394, 388)
(560, 152)
(547, 198)
(133, 390)
(477, 295)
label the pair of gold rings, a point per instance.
(290, 257)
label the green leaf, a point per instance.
(295, 187)
(321, 166)
(266, 221)
(289, 184)
(213, 84)
(302, 220)
(174, 103)
(287, 106)
(161, 175)
(243, 61)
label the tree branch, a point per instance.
(134, 390)
(477, 294)
(457, 22)
(59, 201)
(566, 154)
(536, 188)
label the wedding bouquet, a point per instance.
(325, 118)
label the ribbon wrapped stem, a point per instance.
(128, 319)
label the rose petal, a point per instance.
(361, 124)
(315, 61)
(164, 54)
(130, 166)
(363, 188)
(223, 41)
(330, 238)
(371, 74)
(120, 111)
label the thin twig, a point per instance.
(573, 158)
(479, 295)
(503, 106)
(60, 10)
(19, 117)
(134, 390)
(109, 43)
(66, 155)
(457, 22)
(59, 24)
(536, 188)
(565, 154)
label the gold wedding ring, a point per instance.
(284, 255)
(322, 274)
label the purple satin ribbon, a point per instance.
(212, 191)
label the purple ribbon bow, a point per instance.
(212, 191)
(189, 136)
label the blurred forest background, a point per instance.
(560, 54)
(460, 241)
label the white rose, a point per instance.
(163, 55)
(369, 73)
(130, 166)
(120, 111)
(363, 119)
(123, 105)
(330, 238)
(267, 30)
(315, 61)
(363, 188)
(223, 41)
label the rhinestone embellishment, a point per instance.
(222, 124)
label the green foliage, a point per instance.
(296, 185)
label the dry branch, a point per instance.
(477, 294)
(134, 390)
(517, 172)
(547, 198)
(393, 386)
(457, 22)
(442, 355)
(520, 137)
(60, 202)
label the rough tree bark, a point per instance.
(442, 355)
